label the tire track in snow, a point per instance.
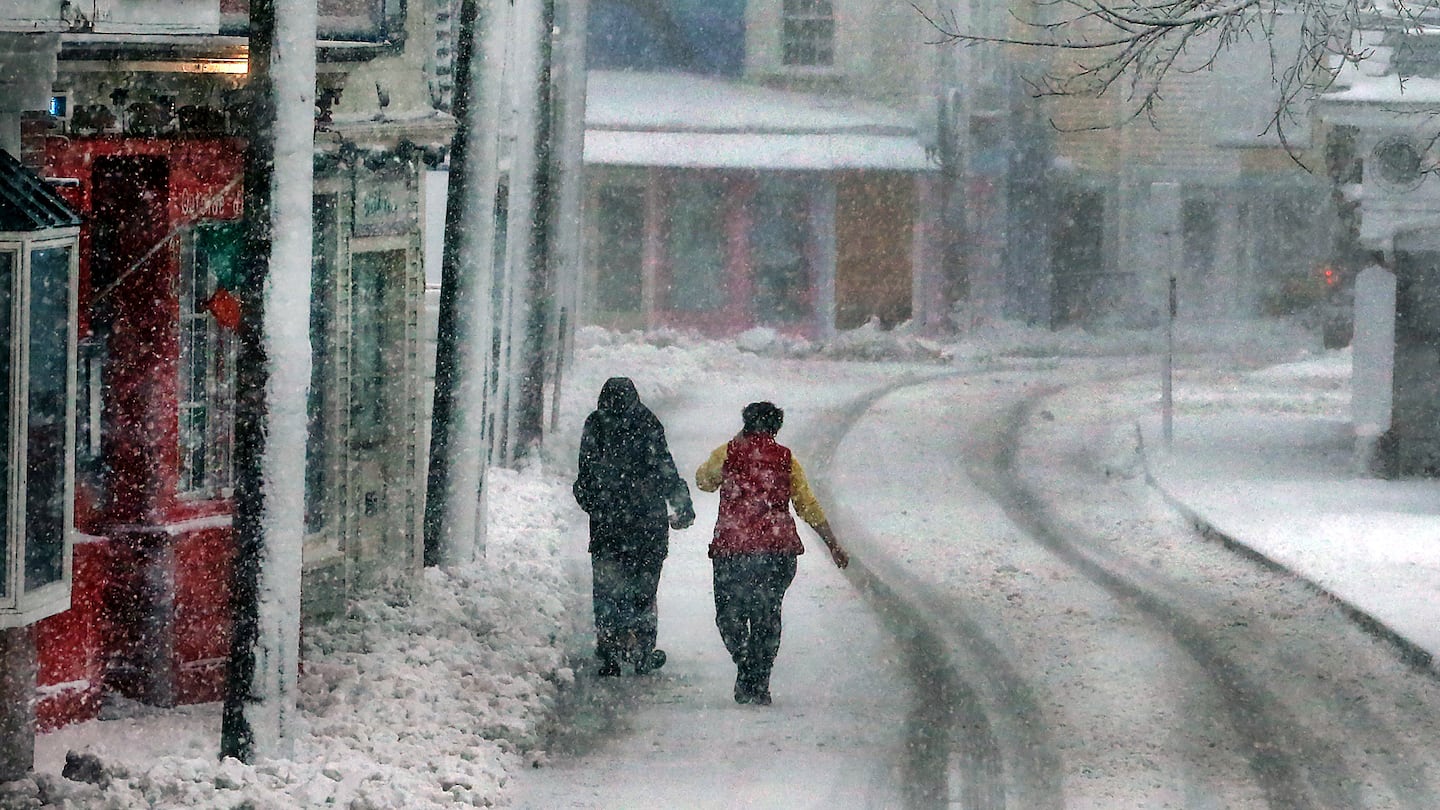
(1271, 742)
(975, 742)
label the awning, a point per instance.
(684, 121)
(769, 151)
(26, 203)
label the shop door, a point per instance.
(380, 443)
(781, 269)
(1078, 257)
(873, 220)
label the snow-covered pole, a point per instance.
(526, 78)
(569, 179)
(459, 448)
(272, 384)
(1165, 206)
(538, 279)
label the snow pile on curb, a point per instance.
(426, 696)
(662, 363)
(903, 343)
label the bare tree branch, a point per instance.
(1137, 44)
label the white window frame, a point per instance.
(217, 369)
(19, 606)
(802, 14)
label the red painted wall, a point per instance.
(149, 611)
(72, 646)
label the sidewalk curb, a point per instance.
(1409, 653)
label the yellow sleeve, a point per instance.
(805, 504)
(708, 477)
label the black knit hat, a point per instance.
(762, 417)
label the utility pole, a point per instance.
(1165, 206)
(568, 181)
(272, 381)
(459, 443)
(539, 282)
(525, 74)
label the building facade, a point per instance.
(147, 140)
(756, 164)
(1380, 114)
(1209, 187)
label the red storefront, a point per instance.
(149, 616)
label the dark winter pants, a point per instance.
(748, 591)
(623, 592)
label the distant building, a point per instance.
(756, 164)
(1207, 192)
(1075, 213)
(1381, 113)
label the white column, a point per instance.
(27, 77)
(824, 250)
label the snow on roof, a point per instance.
(1390, 88)
(674, 119)
(755, 151)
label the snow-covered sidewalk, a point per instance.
(441, 693)
(1266, 460)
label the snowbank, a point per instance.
(426, 696)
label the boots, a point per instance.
(752, 690)
(645, 664)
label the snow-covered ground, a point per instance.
(443, 693)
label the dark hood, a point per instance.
(618, 395)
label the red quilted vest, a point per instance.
(755, 500)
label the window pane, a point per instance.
(697, 247)
(45, 440)
(375, 343)
(89, 403)
(8, 260)
(808, 33)
(621, 220)
(210, 263)
(317, 406)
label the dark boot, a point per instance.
(751, 689)
(742, 690)
(609, 666)
(760, 694)
(646, 664)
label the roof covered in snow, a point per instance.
(674, 119)
(1398, 68)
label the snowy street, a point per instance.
(1026, 623)
(1050, 633)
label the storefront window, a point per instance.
(374, 344)
(620, 216)
(47, 416)
(208, 273)
(322, 306)
(697, 247)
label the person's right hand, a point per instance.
(841, 559)
(683, 519)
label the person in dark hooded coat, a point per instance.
(628, 485)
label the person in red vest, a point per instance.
(755, 542)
